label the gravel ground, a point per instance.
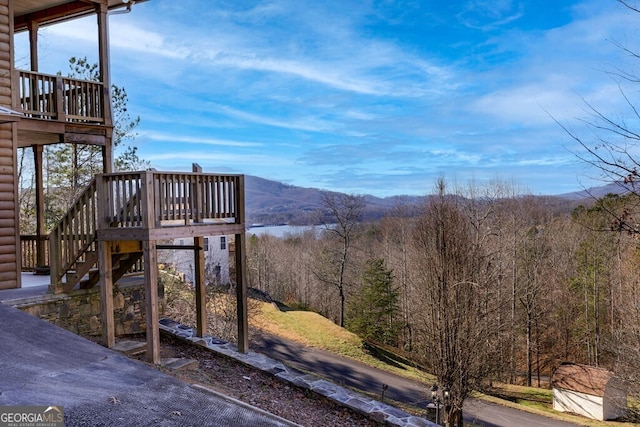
(257, 388)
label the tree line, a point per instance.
(481, 285)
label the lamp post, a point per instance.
(439, 397)
(436, 401)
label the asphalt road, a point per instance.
(353, 374)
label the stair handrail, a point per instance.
(140, 200)
(74, 234)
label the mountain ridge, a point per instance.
(274, 202)
(269, 202)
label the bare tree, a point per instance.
(611, 142)
(395, 229)
(454, 325)
(533, 262)
(611, 149)
(346, 210)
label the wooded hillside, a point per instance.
(512, 285)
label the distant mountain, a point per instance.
(272, 202)
(617, 187)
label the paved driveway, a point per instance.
(354, 374)
(44, 365)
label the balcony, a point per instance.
(63, 99)
(53, 105)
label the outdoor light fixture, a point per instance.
(435, 399)
(440, 398)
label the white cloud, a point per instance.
(486, 15)
(308, 124)
(331, 52)
(132, 37)
(157, 136)
(530, 104)
(207, 157)
(327, 81)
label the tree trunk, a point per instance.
(529, 358)
(341, 306)
(453, 417)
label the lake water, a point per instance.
(283, 230)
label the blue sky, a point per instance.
(366, 96)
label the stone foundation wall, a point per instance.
(80, 311)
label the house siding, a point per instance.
(9, 233)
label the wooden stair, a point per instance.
(87, 274)
(84, 267)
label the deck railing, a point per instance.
(29, 252)
(143, 200)
(51, 97)
(75, 234)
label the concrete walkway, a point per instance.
(45, 365)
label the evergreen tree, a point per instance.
(374, 312)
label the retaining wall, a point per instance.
(80, 310)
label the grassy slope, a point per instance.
(313, 330)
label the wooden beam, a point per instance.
(241, 272)
(105, 78)
(106, 294)
(40, 220)
(150, 273)
(71, 138)
(53, 14)
(151, 300)
(43, 126)
(241, 295)
(170, 232)
(33, 45)
(201, 287)
(126, 247)
(178, 247)
(55, 262)
(202, 229)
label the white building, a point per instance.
(592, 392)
(216, 259)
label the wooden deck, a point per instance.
(118, 220)
(144, 206)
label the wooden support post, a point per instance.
(199, 263)
(40, 224)
(106, 293)
(196, 195)
(150, 270)
(105, 78)
(33, 46)
(201, 286)
(55, 284)
(105, 266)
(151, 300)
(241, 270)
(241, 295)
